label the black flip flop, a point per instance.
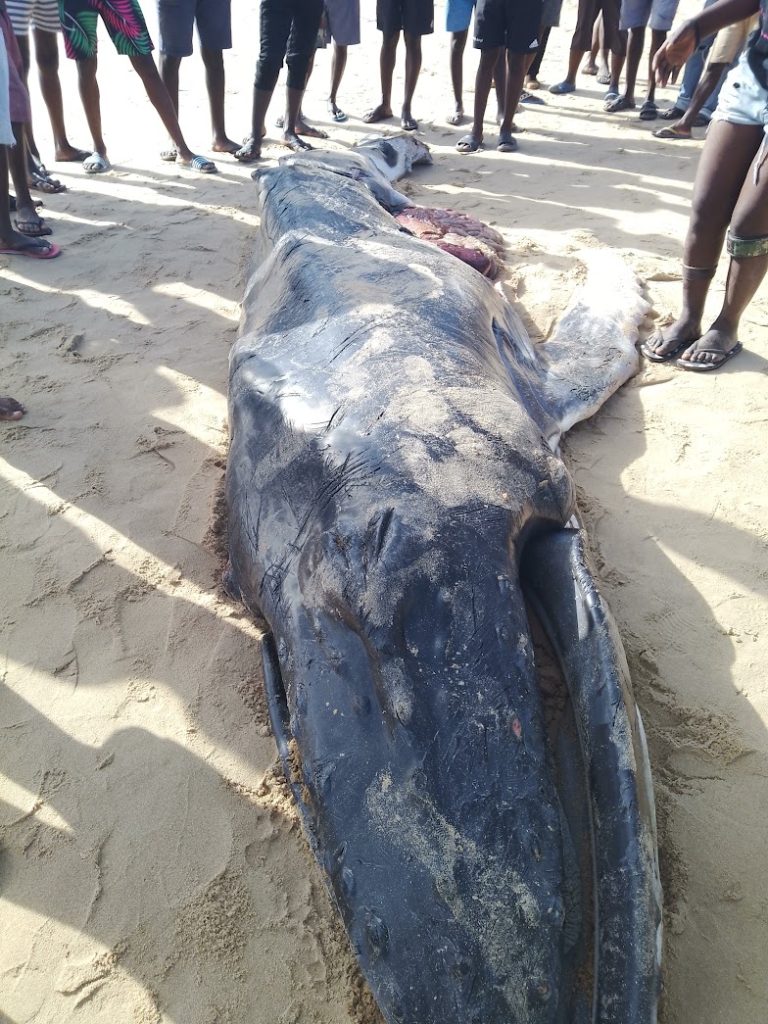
(652, 354)
(689, 364)
(468, 144)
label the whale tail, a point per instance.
(592, 350)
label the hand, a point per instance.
(674, 52)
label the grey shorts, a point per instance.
(657, 15)
(742, 99)
(343, 21)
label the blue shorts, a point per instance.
(458, 14)
(178, 17)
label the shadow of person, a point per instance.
(153, 882)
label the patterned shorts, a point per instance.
(124, 21)
(42, 14)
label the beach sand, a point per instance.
(151, 865)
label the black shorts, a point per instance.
(513, 24)
(416, 17)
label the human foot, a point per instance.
(710, 351)
(336, 113)
(457, 116)
(469, 143)
(192, 162)
(16, 244)
(29, 222)
(590, 68)
(294, 142)
(224, 145)
(408, 122)
(70, 155)
(665, 343)
(381, 113)
(673, 131)
(96, 163)
(10, 409)
(250, 151)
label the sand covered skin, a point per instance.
(151, 865)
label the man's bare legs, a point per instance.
(213, 61)
(387, 59)
(412, 69)
(517, 64)
(28, 220)
(683, 128)
(458, 44)
(725, 164)
(9, 237)
(157, 94)
(47, 57)
(635, 44)
(338, 66)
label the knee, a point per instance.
(86, 69)
(47, 52)
(213, 59)
(169, 65)
(267, 72)
(298, 68)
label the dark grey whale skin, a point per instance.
(389, 466)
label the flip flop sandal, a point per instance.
(455, 119)
(696, 367)
(169, 155)
(296, 145)
(653, 355)
(409, 124)
(506, 144)
(610, 97)
(48, 251)
(619, 104)
(337, 114)
(247, 158)
(671, 114)
(649, 111)
(468, 144)
(202, 165)
(562, 88)
(525, 97)
(672, 132)
(603, 79)
(96, 164)
(40, 179)
(33, 228)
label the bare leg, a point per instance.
(516, 65)
(387, 68)
(500, 84)
(337, 72)
(163, 104)
(251, 148)
(634, 53)
(725, 161)
(745, 273)
(458, 43)
(169, 72)
(412, 69)
(28, 220)
(91, 99)
(47, 55)
(215, 82)
(9, 238)
(488, 59)
(23, 42)
(590, 64)
(657, 38)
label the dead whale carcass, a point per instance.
(395, 498)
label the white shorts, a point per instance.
(657, 15)
(42, 14)
(6, 131)
(742, 99)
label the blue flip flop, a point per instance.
(562, 88)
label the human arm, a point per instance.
(681, 43)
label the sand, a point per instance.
(151, 865)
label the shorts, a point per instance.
(343, 22)
(585, 20)
(657, 15)
(416, 17)
(742, 100)
(18, 98)
(550, 13)
(42, 14)
(458, 15)
(513, 24)
(6, 131)
(124, 21)
(730, 40)
(177, 18)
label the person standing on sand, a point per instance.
(17, 113)
(177, 19)
(125, 23)
(581, 43)
(288, 32)
(414, 18)
(730, 194)
(42, 17)
(502, 25)
(636, 15)
(458, 16)
(343, 27)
